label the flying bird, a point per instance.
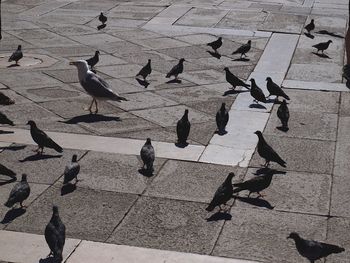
(55, 235)
(19, 193)
(314, 250)
(256, 92)
(283, 115)
(72, 170)
(102, 18)
(222, 117)
(177, 69)
(5, 120)
(94, 60)
(322, 46)
(223, 194)
(233, 80)
(147, 155)
(274, 89)
(4, 100)
(17, 55)
(266, 151)
(243, 49)
(183, 129)
(311, 26)
(94, 85)
(145, 71)
(215, 44)
(42, 139)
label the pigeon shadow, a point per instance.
(265, 170)
(214, 54)
(14, 148)
(181, 145)
(13, 65)
(145, 172)
(254, 201)
(281, 128)
(219, 216)
(257, 106)
(12, 215)
(6, 132)
(143, 83)
(37, 157)
(90, 118)
(178, 81)
(68, 188)
(309, 35)
(13, 179)
(101, 26)
(321, 55)
(241, 59)
(325, 32)
(233, 91)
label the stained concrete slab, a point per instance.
(344, 110)
(202, 17)
(337, 227)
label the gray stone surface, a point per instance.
(321, 72)
(336, 229)
(289, 23)
(344, 109)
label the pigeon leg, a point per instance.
(37, 149)
(260, 195)
(249, 194)
(267, 163)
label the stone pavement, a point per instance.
(116, 214)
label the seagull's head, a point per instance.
(82, 67)
(268, 79)
(31, 123)
(293, 235)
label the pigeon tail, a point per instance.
(237, 190)
(168, 75)
(57, 148)
(282, 163)
(118, 98)
(334, 249)
(210, 208)
(286, 96)
(9, 203)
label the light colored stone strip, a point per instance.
(297, 84)
(107, 144)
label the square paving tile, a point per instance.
(71, 51)
(95, 39)
(190, 52)
(337, 235)
(327, 72)
(151, 223)
(119, 71)
(283, 23)
(161, 43)
(345, 104)
(203, 77)
(135, 34)
(21, 79)
(202, 17)
(87, 214)
(157, 134)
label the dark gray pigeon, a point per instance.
(183, 129)
(177, 69)
(283, 115)
(17, 55)
(311, 26)
(266, 151)
(55, 235)
(6, 171)
(222, 119)
(4, 100)
(322, 46)
(314, 250)
(243, 49)
(233, 80)
(256, 92)
(72, 170)
(274, 89)
(223, 194)
(19, 193)
(5, 120)
(146, 70)
(215, 44)
(42, 139)
(147, 155)
(102, 18)
(94, 60)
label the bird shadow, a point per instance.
(6, 132)
(68, 188)
(254, 201)
(241, 59)
(321, 55)
(325, 32)
(257, 106)
(48, 259)
(281, 128)
(181, 145)
(13, 65)
(142, 82)
(12, 215)
(145, 172)
(309, 35)
(233, 91)
(13, 179)
(214, 54)
(178, 81)
(90, 118)
(101, 26)
(37, 157)
(14, 148)
(219, 216)
(265, 170)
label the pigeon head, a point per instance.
(101, 13)
(74, 158)
(249, 42)
(284, 102)
(148, 141)
(182, 60)
(31, 123)
(294, 236)
(312, 20)
(330, 41)
(24, 178)
(226, 69)
(19, 47)
(149, 60)
(223, 105)
(268, 79)
(97, 52)
(220, 38)
(258, 133)
(186, 112)
(229, 177)
(55, 210)
(252, 80)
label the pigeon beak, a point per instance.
(72, 63)
(27, 123)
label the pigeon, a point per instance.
(71, 171)
(19, 193)
(223, 194)
(216, 44)
(17, 55)
(256, 92)
(283, 115)
(255, 184)
(6, 171)
(233, 80)
(222, 119)
(243, 49)
(183, 129)
(177, 69)
(274, 89)
(147, 155)
(102, 18)
(314, 250)
(94, 85)
(146, 70)
(42, 139)
(5, 120)
(94, 60)
(4, 100)
(311, 26)
(322, 46)
(55, 235)
(266, 152)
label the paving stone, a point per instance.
(71, 51)
(202, 17)
(33, 33)
(242, 19)
(212, 107)
(56, 41)
(119, 71)
(142, 57)
(307, 85)
(300, 154)
(20, 79)
(95, 39)
(19, 99)
(337, 227)
(157, 134)
(344, 109)
(165, 66)
(122, 47)
(134, 34)
(197, 39)
(72, 31)
(65, 75)
(288, 23)
(87, 213)
(203, 77)
(151, 223)
(190, 52)
(258, 234)
(101, 5)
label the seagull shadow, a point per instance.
(214, 54)
(68, 188)
(12, 215)
(37, 157)
(90, 118)
(241, 59)
(13, 65)
(281, 128)
(178, 81)
(13, 179)
(254, 201)
(321, 55)
(143, 83)
(14, 148)
(101, 26)
(181, 145)
(257, 106)
(219, 216)
(145, 172)
(233, 91)
(6, 132)
(325, 32)
(309, 35)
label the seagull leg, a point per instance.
(90, 107)
(96, 108)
